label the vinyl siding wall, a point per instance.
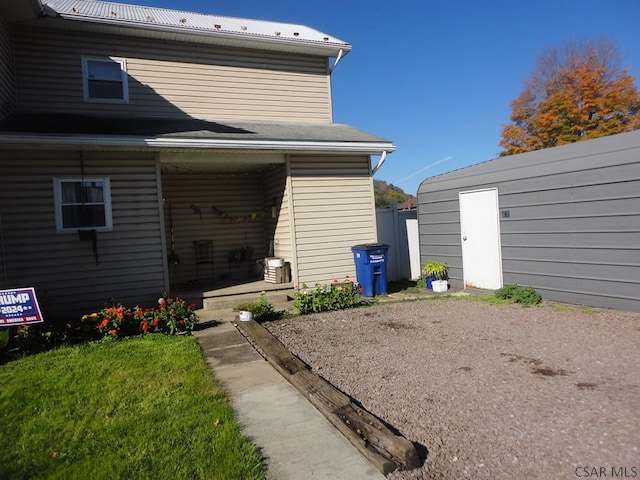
(573, 230)
(333, 209)
(172, 79)
(276, 191)
(61, 266)
(7, 85)
(235, 195)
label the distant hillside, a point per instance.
(386, 194)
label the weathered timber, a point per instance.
(386, 450)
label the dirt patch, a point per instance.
(550, 372)
(492, 392)
(586, 386)
(396, 325)
(515, 358)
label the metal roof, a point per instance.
(272, 35)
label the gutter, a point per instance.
(241, 39)
(92, 141)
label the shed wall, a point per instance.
(573, 225)
(173, 79)
(333, 209)
(62, 267)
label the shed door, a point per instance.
(480, 236)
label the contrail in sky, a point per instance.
(438, 162)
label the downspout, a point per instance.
(380, 162)
(335, 64)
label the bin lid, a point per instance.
(369, 246)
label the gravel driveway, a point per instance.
(493, 392)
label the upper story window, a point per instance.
(105, 79)
(82, 204)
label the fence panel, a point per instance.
(392, 230)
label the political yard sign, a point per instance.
(19, 307)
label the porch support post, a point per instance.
(292, 219)
(163, 233)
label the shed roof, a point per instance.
(537, 163)
(177, 24)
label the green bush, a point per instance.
(262, 309)
(40, 337)
(172, 316)
(518, 294)
(325, 298)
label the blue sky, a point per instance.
(437, 77)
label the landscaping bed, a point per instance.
(491, 391)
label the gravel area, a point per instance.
(492, 391)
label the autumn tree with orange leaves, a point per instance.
(574, 94)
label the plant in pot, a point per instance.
(434, 271)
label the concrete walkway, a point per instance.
(297, 441)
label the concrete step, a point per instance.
(219, 302)
(230, 314)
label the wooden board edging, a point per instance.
(382, 447)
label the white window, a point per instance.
(105, 80)
(82, 204)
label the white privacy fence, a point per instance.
(399, 230)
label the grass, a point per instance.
(505, 296)
(490, 299)
(139, 408)
(563, 308)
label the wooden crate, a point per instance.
(278, 274)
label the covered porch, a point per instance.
(223, 215)
(298, 192)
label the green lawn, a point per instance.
(139, 408)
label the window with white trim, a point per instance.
(82, 204)
(104, 79)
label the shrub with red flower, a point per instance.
(172, 316)
(115, 321)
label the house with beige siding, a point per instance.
(128, 133)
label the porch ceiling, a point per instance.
(219, 162)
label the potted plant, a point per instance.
(434, 271)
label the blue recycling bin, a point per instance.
(371, 268)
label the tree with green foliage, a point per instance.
(386, 194)
(575, 93)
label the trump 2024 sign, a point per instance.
(19, 307)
